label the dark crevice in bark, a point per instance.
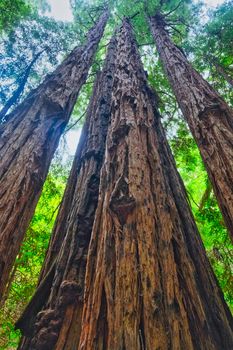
(102, 327)
(141, 331)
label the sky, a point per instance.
(72, 139)
(61, 10)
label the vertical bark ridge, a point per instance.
(147, 270)
(28, 141)
(210, 119)
(57, 321)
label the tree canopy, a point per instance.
(12, 12)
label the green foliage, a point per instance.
(30, 259)
(11, 12)
(207, 214)
(34, 35)
(211, 47)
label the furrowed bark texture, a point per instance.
(148, 282)
(210, 119)
(55, 321)
(59, 228)
(29, 140)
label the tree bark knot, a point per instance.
(121, 202)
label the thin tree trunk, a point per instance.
(210, 119)
(29, 140)
(148, 282)
(205, 196)
(18, 92)
(60, 293)
(221, 71)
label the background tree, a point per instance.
(37, 34)
(212, 48)
(209, 118)
(11, 12)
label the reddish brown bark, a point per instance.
(60, 293)
(210, 119)
(29, 140)
(148, 283)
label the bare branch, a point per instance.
(76, 122)
(170, 12)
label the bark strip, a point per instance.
(209, 118)
(28, 141)
(149, 284)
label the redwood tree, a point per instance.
(29, 140)
(148, 282)
(210, 119)
(54, 313)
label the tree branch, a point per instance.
(170, 12)
(17, 93)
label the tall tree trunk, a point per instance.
(148, 282)
(29, 140)
(60, 293)
(210, 119)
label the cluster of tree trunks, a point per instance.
(209, 118)
(129, 235)
(28, 141)
(54, 313)
(125, 267)
(148, 281)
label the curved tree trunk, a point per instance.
(210, 119)
(60, 292)
(29, 140)
(148, 283)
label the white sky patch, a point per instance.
(72, 138)
(60, 10)
(213, 3)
